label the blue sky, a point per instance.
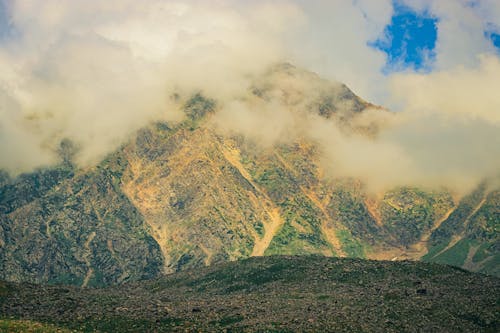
(410, 39)
(495, 38)
(61, 73)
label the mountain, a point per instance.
(185, 195)
(268, 294)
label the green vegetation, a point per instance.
(71, 223)
(66, 279)
(352, 247)
(306, 294)
(477, 221)
(347, 207)
(455, 255)
(409, 212)
(196, 108)
(484, 251)
(125, 324)
(491, 265)
(277, 182)
(26, 188)
(485, 224)
(22, 326)
(4, 289)
(433, 251)
(301, 232)
(455, 222)
(228, 320)
(182, 184)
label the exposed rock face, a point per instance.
(184, 195)
(81, 229)
(199, 207)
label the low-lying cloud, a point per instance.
(422, 146)
(95, 72)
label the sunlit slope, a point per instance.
(183, 195)
(469, 237)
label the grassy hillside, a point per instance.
(270, 294)
(470, 237)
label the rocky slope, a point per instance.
(269, 294)
(184, 195)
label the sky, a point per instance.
(409, 39)
(95, 72)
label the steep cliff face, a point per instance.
(199, 207)
(185, 195)
(79, 229)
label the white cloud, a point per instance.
(459, 92)
(95, 71)
(335, 40)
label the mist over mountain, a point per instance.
(251, 165)
(207, 189)
(95, 79)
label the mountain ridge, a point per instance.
(179, 196)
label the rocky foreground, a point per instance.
(268, 294)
